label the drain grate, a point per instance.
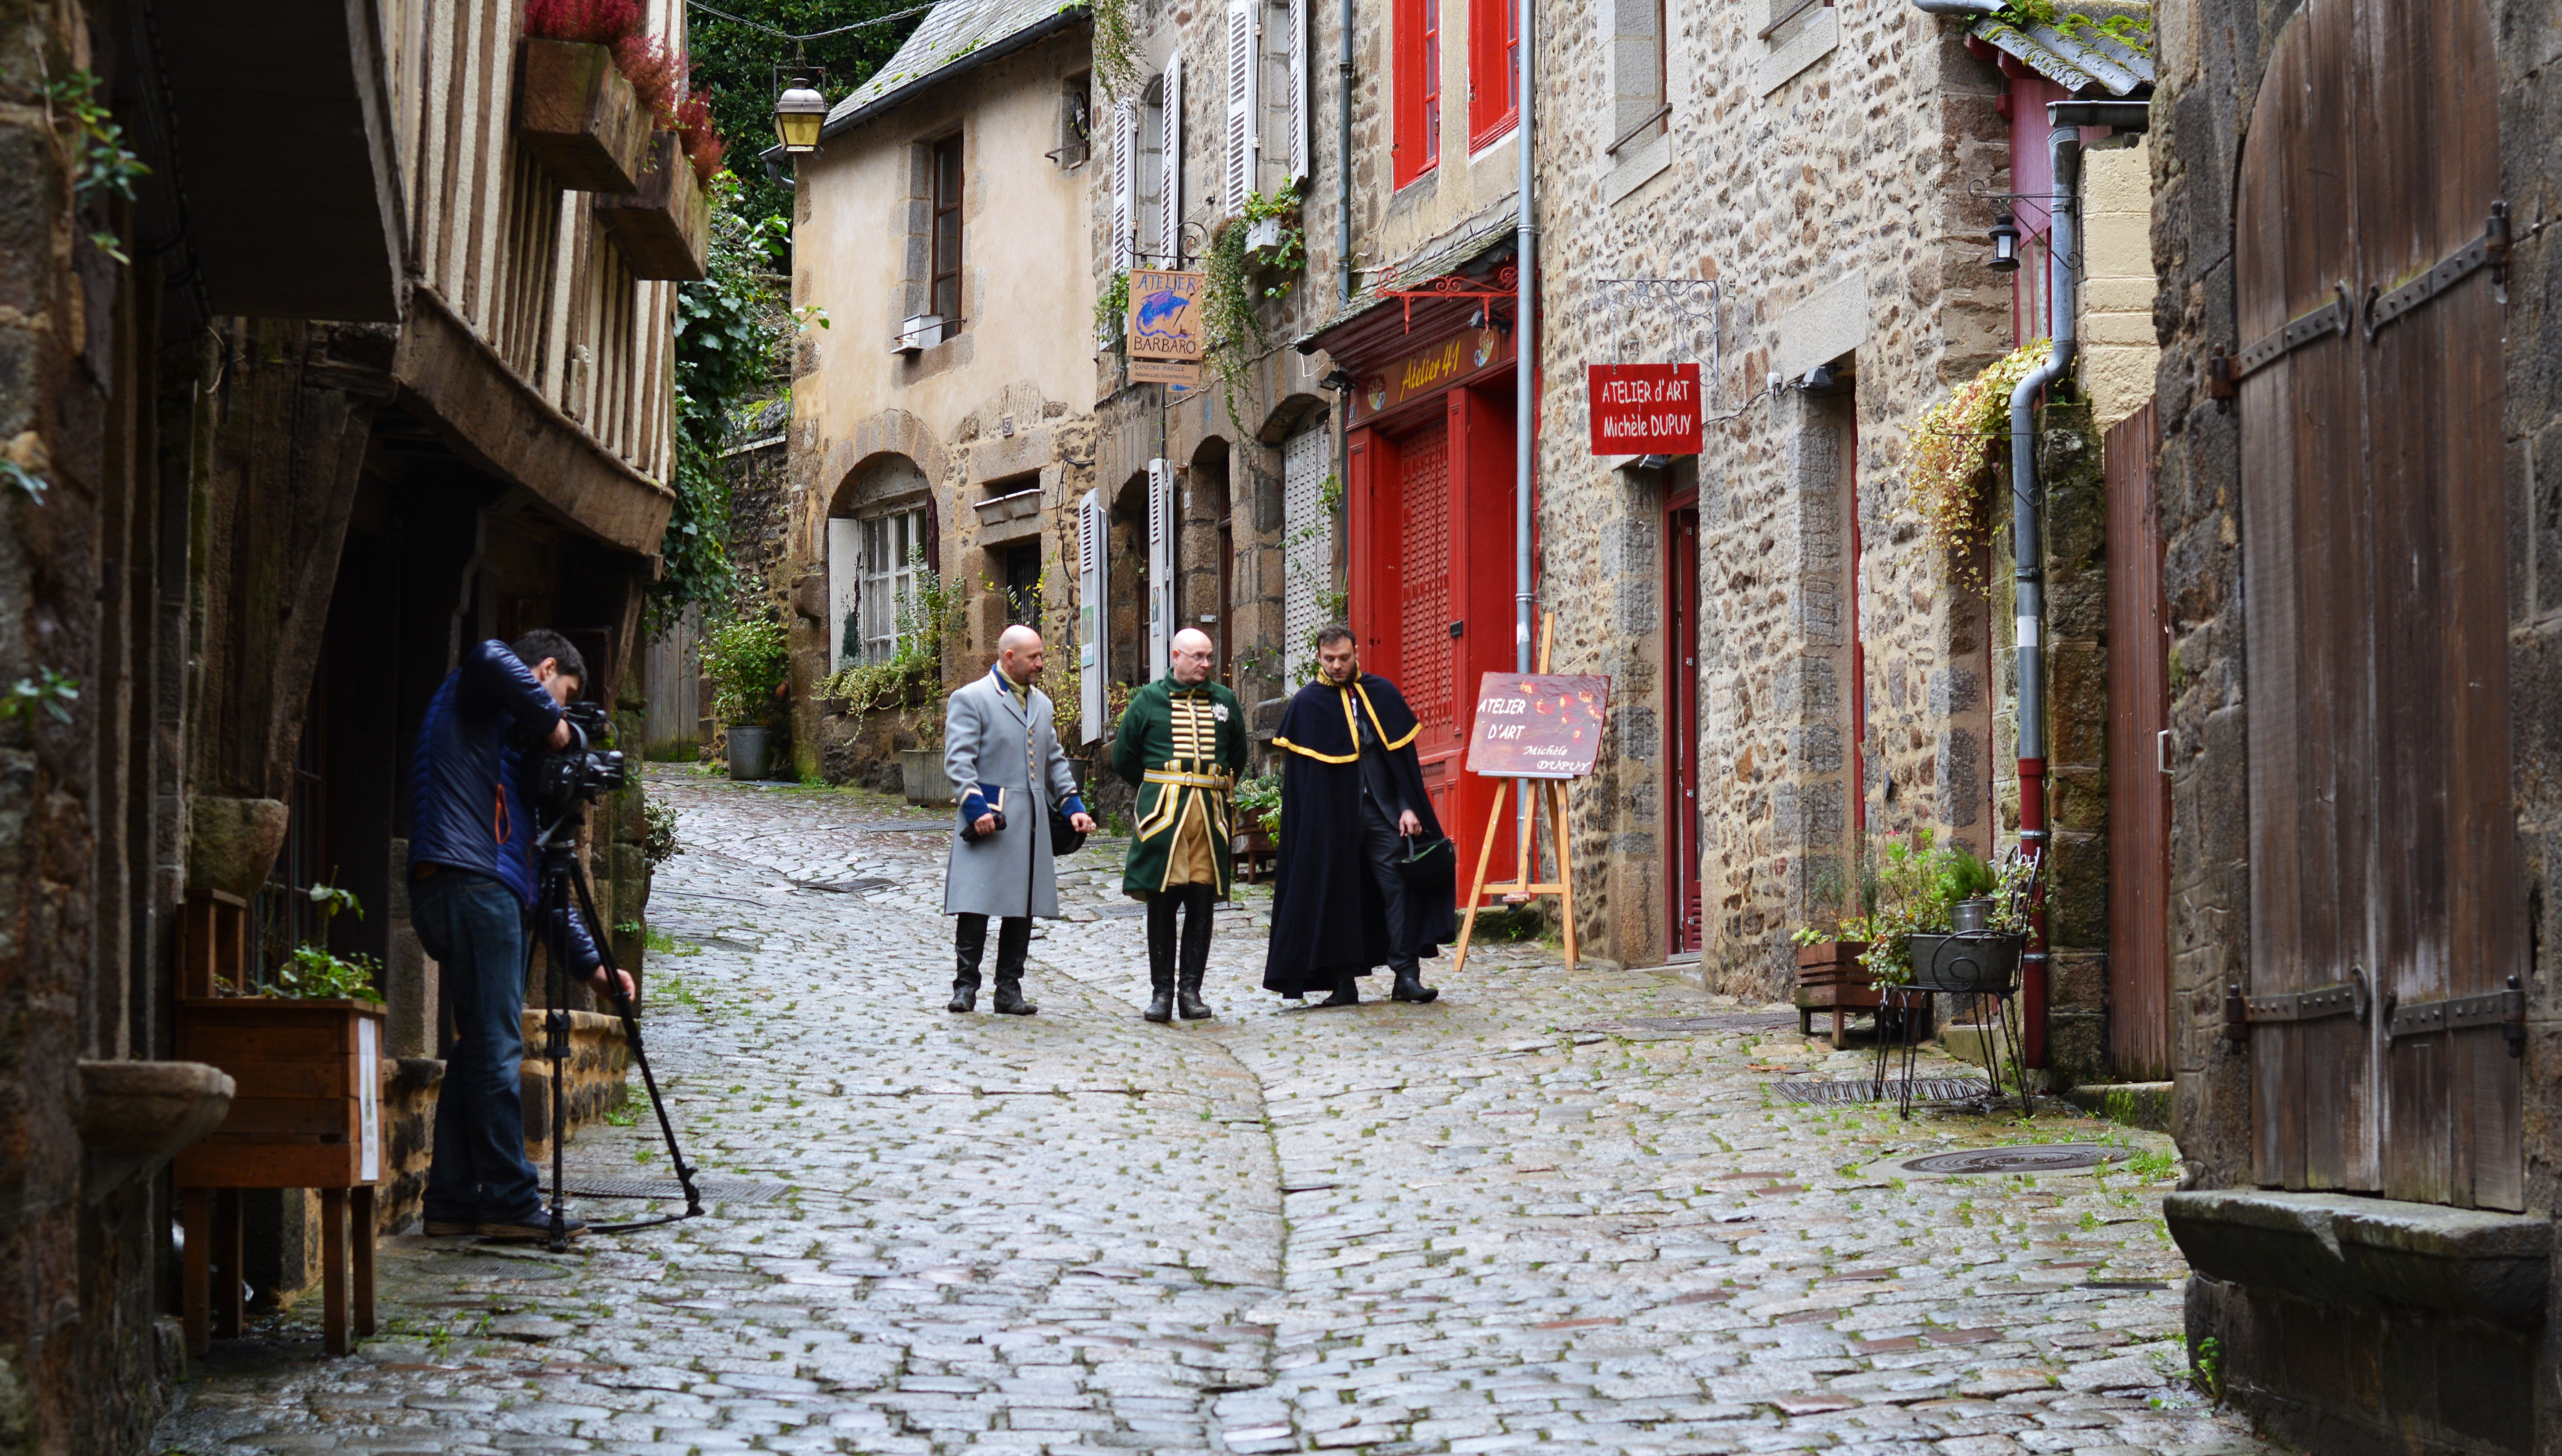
(1925, 1089)
(2022, 1158)
(859, 885)
(714, 1191)
(1723, 1021)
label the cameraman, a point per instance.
(472, 890)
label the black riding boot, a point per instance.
(1013, 944)
(969, 943)
(1347, 989)
(1161, 954)
(1410, 987)
(1197, 903)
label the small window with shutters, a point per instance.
(1493, 70)
(1641, 101)
(1170, 166)
(1075, 123)
(945, 292)
(1243, 65)
(1417, 41)
(1125, 181)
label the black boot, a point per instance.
(1013, 944)
(1197, 903)
(1347, 991)
(969, 943)
(1160, 956)
(1410, 987)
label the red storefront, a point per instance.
(1429, 506)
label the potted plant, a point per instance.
(302, 1041)
(746, 661)
(921, 768)
(1830, 974)
(1977, 947)
(1258, 820)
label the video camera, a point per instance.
(581, 772)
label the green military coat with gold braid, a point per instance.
(1181, 748)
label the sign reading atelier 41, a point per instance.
(1644, 409)
(1538, 725)
(1164, 326)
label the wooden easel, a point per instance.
(1520, 889)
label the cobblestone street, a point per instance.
(1540, 1215)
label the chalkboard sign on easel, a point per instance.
(1539, 728)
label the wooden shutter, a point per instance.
(1171, 189)
(2383, 842)
(1424, 609)
(1125, 176)
(1160, 566)
(1245, 148)
(1297, 50)
(1308, 550)
(1093, 608)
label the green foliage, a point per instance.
(913, 675)
(735, 64)
(47, 689)
(1950, 478)
(104, 162)
(1112, 312)
(659, 842)
(27, 482)
(1291, 254)
(1910, 887)
(746, 659)
(1232, 328)
(311, 973)
(730, 329)
(1116, 49)
(2208, 1361)
(1258, 804)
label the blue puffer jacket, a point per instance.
(465, 808)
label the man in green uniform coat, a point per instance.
(1182, 743)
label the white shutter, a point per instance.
(1298, 51)
(1093, 608)
(1243, 144)
(1170, 189)
(1308, 550)
(1125, 166)
(1161, 567)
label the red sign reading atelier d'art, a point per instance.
(1644, 409)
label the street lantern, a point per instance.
(2005, 236)
(798, 114)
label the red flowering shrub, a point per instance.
(587, 22)
(664, 79)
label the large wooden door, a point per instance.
(2387, 911)
(2138, 788)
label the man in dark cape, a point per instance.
(1363, 876)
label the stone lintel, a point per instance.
(2341, 1248)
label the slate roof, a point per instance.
(1492, 228)
(957, 36)
(2075, 52)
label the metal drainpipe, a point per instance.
(2028, 556)
(1343, 160)
(1525, 380)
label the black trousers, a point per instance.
(1196, 902)
(1013, 945)
(1382, 848)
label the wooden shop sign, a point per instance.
(1534, 726)
(1164, 326)
(1644, 409)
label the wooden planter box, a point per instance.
(1831, 979)
(308, 1074)
(1255, 850)
(663, 222)
(578, 117)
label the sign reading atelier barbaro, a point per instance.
(1163, 327)
(1538, 725)
(1644, 409)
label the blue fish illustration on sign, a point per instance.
(1161, 307)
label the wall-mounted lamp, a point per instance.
(799, 114)
(1484, 316)
(1338, 379)
(2005, 236)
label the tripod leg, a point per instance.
(631, 1036)
(556, 1046)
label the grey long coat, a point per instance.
(989, 740)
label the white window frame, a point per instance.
(892, 547)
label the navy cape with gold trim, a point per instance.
(1327, 916)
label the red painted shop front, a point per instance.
(1429, 502)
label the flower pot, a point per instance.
(1262, 234)
(306, 1076)
(663, 223)
(579, 118)
(1831, 979)
(749, 747)
(1983, 963)
(921, 773)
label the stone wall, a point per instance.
(1822, 184)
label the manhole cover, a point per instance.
(1864, 1090)
(2032, 1158)
(714, 1191)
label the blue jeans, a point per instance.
(475, 927)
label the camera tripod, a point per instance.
(558, 878)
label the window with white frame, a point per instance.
(893, 546)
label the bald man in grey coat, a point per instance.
(1002, 751)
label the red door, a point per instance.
(1681, 752)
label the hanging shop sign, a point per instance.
(1433, 367)
(1538, 725)
(1163, 327)
(1644, 409)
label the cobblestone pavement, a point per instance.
(1555, 1211)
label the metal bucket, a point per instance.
(1969, 917)
(1983, 963)
(749, 748)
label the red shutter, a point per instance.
(1493, 68)
(1408, 146)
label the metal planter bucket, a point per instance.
(921, 775)
(1981, 963)
(749, 748)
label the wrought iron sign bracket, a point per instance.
(1507, 288)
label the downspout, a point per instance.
(2028, 557)
(1959, 7)
(1526, 397)
(1344, 161)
